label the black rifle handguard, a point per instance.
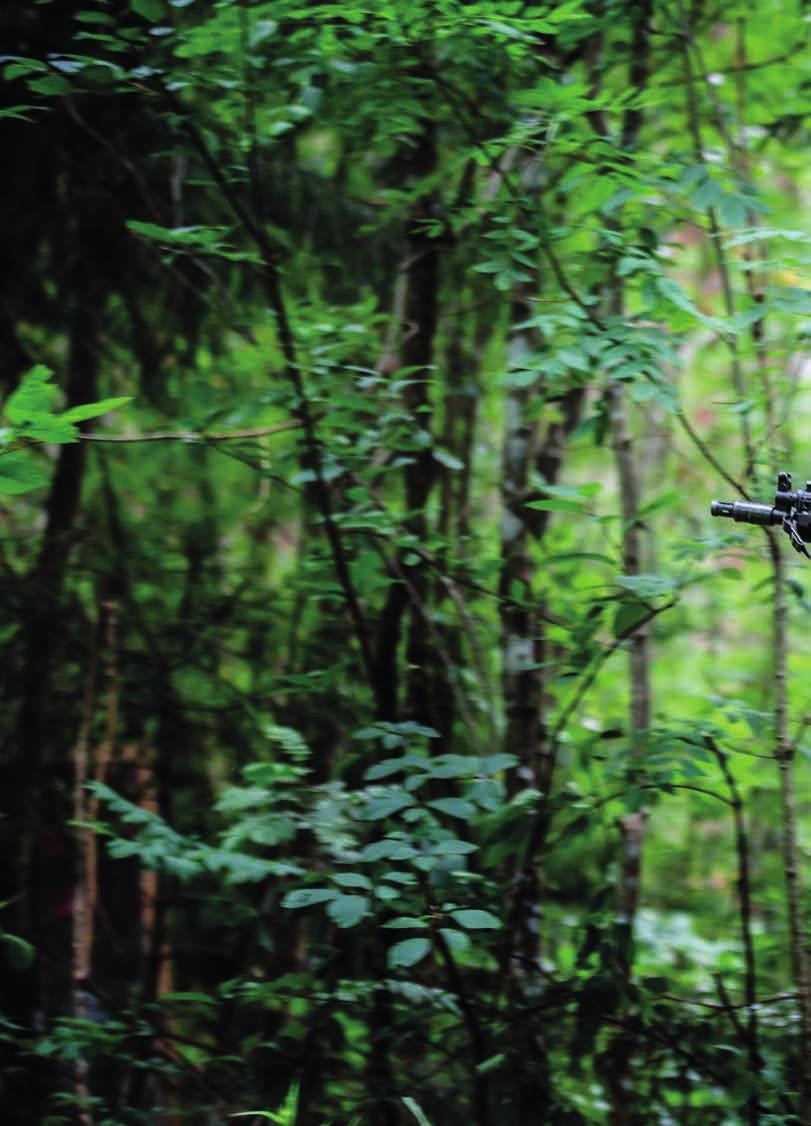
(792, 510)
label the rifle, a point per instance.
(792, 510)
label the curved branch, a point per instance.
(194, 435)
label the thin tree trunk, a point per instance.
(460, 404)
(41, 861)
(783, 746)
(748, 1032)
(521, 640)
(410, 343)
(85, 879)
(784, 754)
(632, 825)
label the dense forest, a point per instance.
(389, 733)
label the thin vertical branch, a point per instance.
(784, 748)
(750, 1038)
(523, 638)
(302, 409)
(784, 754)
(632, 824)
(473, 1026)
(84, 883)
(755, 280)
(694, 125)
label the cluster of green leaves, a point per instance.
(387, 878)
(30, 420)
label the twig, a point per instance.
(784, 753)
(302, 409)
(750, 1035)
(782, 58)
(694, 124)
(777, 999)
(602, 657)
(194, 435)
(84, 888)
(709, 456)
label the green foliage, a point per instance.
(17, 952)
(29, 411)
(285, 1115)
(438, 324)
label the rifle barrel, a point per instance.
(746, 512)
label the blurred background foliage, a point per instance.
(388, 733)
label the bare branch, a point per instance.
(194, 435)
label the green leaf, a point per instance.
(630, 263)
(19, 473)
(200, 998)
(256, 1114)
(706, 195)
(18, 113)
(384, 805)
(732, 211)
(628, 615)
(19, 953)
(182, 236)
(492, 764)
(666, 500)
(408, 952)
(475, 919)
(49, 428)
(396, 877)
(352, 880)
(458, 941)
(52, 85)
(491, 1064)
(453, 848)
(93, 410)
(487, 793)
(33, 398)
(152, 10)
(388, 894)
(453, 766)
(308, 897)
(20, 67)
(556, 504)
(388, 766)
(454, 807)
(406, 922)
(200, 239)
(447, 459)
(388, 849)
(348, 910)
(646, 585)
(415, 1108)
(572, 492)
